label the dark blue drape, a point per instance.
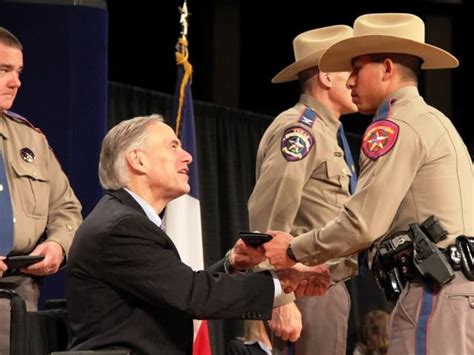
(64, 89)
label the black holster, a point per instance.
(413, 254)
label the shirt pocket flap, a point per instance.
(337, 168)
(32, 171)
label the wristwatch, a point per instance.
(290, 253)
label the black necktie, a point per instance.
(6, 213)
(362, 256)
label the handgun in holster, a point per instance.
(411, 254)
(388, 280)
(428, 259)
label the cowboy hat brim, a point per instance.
(339, 56)
(290, 73)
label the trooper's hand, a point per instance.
(3, 266)
(305, 280)
(53, 258)
(318, 282)
(275, 250)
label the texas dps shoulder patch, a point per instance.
(296, 143)
(379, 138)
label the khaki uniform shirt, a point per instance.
(426, 172)
(300, 195)
(42, 199)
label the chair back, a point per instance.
(18, 323)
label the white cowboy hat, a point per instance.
(386, 33)
(308, 47)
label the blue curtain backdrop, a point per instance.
(64, 88)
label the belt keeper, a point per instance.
(454, 257)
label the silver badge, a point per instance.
(27, 155)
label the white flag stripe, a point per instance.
(196, 325)
(182, 221)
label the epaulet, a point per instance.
(308, 117)
(20, 119)
(385, 110)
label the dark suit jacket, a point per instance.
(128, 288)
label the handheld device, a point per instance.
(19, 261)
(254, 239)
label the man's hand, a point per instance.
(275, 250)
(53, 258)
(305, 280)
(318, 282)
(286, 322)
(3, 266)
(243, 256)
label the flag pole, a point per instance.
(183, 215)
(182, 61)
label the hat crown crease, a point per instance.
(317, 40)
(396, 25)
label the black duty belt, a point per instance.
(398, 261)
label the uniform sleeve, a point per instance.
(368, 214)
(277, 194)
(64, 213)
(342, 269)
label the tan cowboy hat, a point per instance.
(386, 33)
(308, 47)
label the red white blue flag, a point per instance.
(183, 215)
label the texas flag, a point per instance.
(182, 217)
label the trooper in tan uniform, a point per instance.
(413, 164)
(46, 213)
(302, 181)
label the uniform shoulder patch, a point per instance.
(296, 143)
(379, 138)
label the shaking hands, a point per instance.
(305, 280)
(294, 277)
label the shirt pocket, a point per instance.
(32, 187)
(338, 177)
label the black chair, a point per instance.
(48, 328)
(18, 323)
(43, 332)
